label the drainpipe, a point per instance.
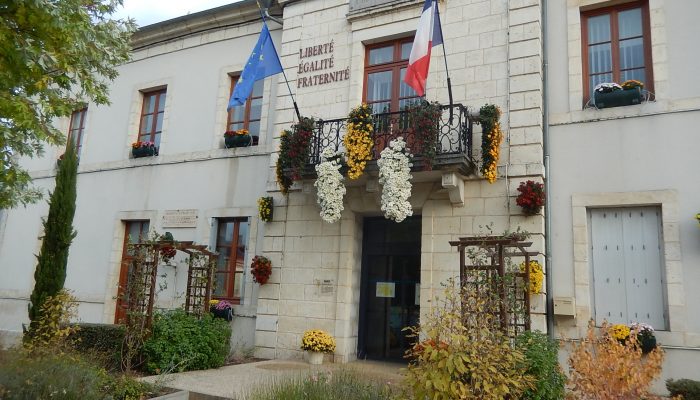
(547, 187)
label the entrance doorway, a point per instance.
(390, 287)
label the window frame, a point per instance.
(246, 113)
(80, 130)
(395, 66)
(231, 265)
(154, 122)
(120, 310)
(615, 43)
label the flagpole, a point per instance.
(444, 55)
(284, 74)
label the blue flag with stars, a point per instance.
(263, 62)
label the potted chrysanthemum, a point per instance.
(317, 342)
(645, 336)
(143, 149)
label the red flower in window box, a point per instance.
(261, 267)
(531, 197)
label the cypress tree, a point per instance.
(50, 273)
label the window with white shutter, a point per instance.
(627, 265)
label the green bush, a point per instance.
(688, 388)
(325, 386)
(103, 340)
(63, 376)
(541, 359)
(180, 342)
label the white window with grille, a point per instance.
(627, 267)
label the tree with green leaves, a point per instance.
(55, 56)
(50, 273)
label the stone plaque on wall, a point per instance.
(180, 218)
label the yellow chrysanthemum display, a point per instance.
(318, 340)
(492, 137)
(620, 331)
(358, 140)
(536, 276)
(265, 209)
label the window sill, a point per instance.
(638, 110)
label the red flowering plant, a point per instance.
(237, 132)
(261, 267)
(531, 197)
(295, 147)
(138, 145)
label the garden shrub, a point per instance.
(63, 376)
(604, 368)
(344, 385)
(687, 388)
(51, 328)
(180, 342)
(541, 358)
(464, 354)
(101, 340)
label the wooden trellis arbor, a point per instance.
(139, 296)
(486, 266)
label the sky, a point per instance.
(147, 12)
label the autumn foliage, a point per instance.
(605, 368)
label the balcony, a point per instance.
(453, 146)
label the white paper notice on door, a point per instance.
(386, 289)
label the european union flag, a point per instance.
(263, 62)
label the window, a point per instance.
(231, 241)
(76, 128)
(627, 268)
(247, 116)
(152, 116)
(134, 232)
(385, 68)
(616, 46)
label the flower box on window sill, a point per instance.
(138, 152)
(240, 141)
(618, 98)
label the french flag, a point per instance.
(429, 34)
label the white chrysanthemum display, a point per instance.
(329, 186)
(395, 178)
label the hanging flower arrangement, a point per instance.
(358, 140)
(531, 197)
(261, 268)
(425, 119)
(536, 276)
(491, 139)
(294, 153)
(329, 186)
(395, 178)
(265, 209)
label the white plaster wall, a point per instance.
(193, 171)
(625, 153)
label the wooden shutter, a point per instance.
(627, 267)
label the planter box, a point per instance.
(226, 313)
(618, 98)
(138, 152)
(238, 141)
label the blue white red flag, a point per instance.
(428, 34)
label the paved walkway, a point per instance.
(236, 381)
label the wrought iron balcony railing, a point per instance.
(453, 144)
